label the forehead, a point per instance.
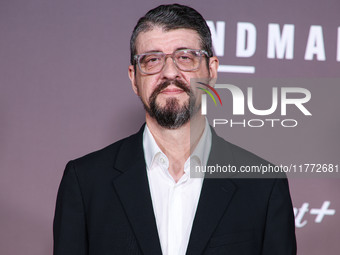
(167, 41)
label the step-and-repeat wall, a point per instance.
(65, 92)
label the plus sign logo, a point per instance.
(319, 213)
(322, 212)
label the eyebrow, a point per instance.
(152, 51)
(158, 51)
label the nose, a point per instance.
(170, 71)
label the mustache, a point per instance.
(167, 83)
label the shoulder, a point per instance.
(242, 155)
(222, 148)
(246, 163)
(106, 157)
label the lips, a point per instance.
(172, 90)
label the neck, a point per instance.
(176, 144)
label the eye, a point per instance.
(153, 60)
(150, 59)
(185, 57)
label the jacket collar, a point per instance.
(133, 190)
(215, 197)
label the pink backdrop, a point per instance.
(65, 92)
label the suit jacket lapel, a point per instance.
(214, 199)
(133, 189)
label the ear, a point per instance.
(132, 76)
(213, 66)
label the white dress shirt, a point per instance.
(174, 204)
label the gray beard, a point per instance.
(172, 115)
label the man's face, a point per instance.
(166, 95)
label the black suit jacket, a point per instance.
(104, 207)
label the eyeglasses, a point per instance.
(185, 60)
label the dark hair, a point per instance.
(171, 17)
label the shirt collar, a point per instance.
(150, 147)
(202, 150)
(199, 156)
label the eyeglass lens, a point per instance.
(185, 60)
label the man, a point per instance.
(136, 195)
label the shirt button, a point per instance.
(162, 160)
